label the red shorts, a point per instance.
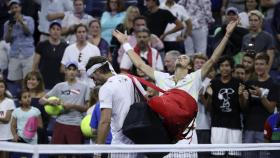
(67, 134)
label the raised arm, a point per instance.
(136, 60)
(219, 50)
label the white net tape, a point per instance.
(36, 150)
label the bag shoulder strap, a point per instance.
(149, 84)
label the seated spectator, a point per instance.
(144, 50)
(110, 18)
(48, 55)
(33, 82)
(175, 41)
(154, 41)
(249, 6)
(51, 10)
(94, 37)
(71, 19)
(169, 61)
(235, 41)
(18, 31)
(257, 39)
(20, 118)
(7, 106)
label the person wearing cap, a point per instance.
(258, 39)
(74, 97)
(235, 41)
(18, 31)
(48, 55)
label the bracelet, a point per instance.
(127, 47)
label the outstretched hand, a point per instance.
(231, 26)
(122, 38)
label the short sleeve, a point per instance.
(95, 117)
(65, 56)
(105, 98)
(11, 105)
(53, 91)
(39, 48)
(169, 17)
(15, 113)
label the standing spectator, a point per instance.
(18, 31)
(261, 103)
(51, 10)
(7, 106)
(239, 4)
(201, 16)
(261, 41)
(80, 52)
(248, 61)
(235, 42)
(175, 41)
(169, 61)
(143, 50)
(72, 19)
(239, 72)
(21, 116)
(94, 31)
(33, 82)
(154, 41)
(157, 20)
(225, 103)
(48, 55)
(249, 6)
(4, 57)
(73, 96)
(113, 16)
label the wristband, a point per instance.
(127, 47)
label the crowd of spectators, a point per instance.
(45, 46)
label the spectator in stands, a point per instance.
(94, 37)
(201, 16)
(202, 123)
(113, 16)
(158, 19)
(249, 6)
(143, 50)
(18, 31)
(7, 106)
(175, 41)
(239, 72)
(235, 42)
(48, 55)
(51, 10)
(169, 61)
(116, 95)
(225, 103)
(261, 41)
(80, 52)
(20, 118)
(239, 4)
(261, 103)
(33, 82)
(73, 96)
(248, 63)
(127, 25)
(154, 42)
(181, 79)
(72, 19)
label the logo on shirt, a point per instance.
(71, 92)
(224, 95)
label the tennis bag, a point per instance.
(176, 107)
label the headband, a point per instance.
(91, 70)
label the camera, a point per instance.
(12, 20)
(251, 49)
